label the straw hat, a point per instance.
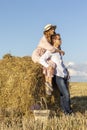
(48, 27)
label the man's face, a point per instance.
(57, 41)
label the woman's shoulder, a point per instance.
(42, 40)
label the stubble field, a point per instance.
(78, 121)
(21, 84)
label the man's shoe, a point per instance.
(69, 113)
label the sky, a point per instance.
(22, 23)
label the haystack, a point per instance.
(22, 84)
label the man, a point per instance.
(60, 73)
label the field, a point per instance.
(22, 85)
(77, 121)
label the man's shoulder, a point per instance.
(48, 52)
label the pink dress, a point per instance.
(49, 72)
(41, 48)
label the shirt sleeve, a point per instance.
(44, 58)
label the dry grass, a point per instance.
(21, 85)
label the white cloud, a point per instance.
(77, 73)
(72, 72)
(69, 64)
(77, 69)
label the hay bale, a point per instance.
(21, 83)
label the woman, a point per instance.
(44, 43)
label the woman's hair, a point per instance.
(48, 35)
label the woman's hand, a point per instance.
(60, 51)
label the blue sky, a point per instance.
(22, 23)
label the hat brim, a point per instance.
(53, 26)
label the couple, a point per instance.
(49, 49)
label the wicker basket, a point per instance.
(42, 114)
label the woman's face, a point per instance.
(51, 31)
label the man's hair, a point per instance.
(54, 37)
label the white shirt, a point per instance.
(60, 69)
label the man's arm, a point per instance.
(43, 59)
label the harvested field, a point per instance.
(22, 85)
